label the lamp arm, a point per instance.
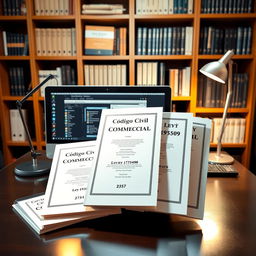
(227, 104)
(50, 76)
(19, 103)
(32, 149)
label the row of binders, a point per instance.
(55, 41)
(164, 40)
(18, 81)
(150, 7)
(227, 6)
(105, 74)
(15, 44)
(215, 40)
(56, 7)
(234, 130)
(18, 132)
(14, 7)
(150, 73)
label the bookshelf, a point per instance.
(28, 22)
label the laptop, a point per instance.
(72, 113)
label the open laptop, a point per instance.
(72, 113)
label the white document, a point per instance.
(175, 163)
(125, 170)
(68, 179)
(199, 166)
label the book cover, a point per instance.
(123, 74)
(99, 40)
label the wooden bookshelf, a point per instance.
(131, 21)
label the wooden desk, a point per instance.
(228, 228)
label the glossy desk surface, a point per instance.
(228, 228)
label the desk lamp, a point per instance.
(217, 71)
(34, 167)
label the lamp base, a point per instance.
(27, 169)
(224, 158)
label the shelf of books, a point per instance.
(129, 42)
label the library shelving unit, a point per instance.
(32, 63)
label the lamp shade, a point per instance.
(217, 70)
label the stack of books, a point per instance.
(102, 9)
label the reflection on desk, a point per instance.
(109, 243)
(228, 227)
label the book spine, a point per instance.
(190, 6)
(144, 40)
(174, 40)
(248, 40)
(13, 124)
(165, 6)
(4, 41)
(48, 41)
(149, 42)
(237, 126)
(164, 41)
(200, 91)
(244, 85)
(242, 130)
(138, 7)
(64, 42)
(239, 40)
(182, 40)
(157, 41)
(144, 73)
(123, 75)
(38, 42)
(170, 6)
(139, 41)
(12, 75)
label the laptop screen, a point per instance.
(73, 112)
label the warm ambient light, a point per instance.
(217, 71)
(209, 228)
(69, 247)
